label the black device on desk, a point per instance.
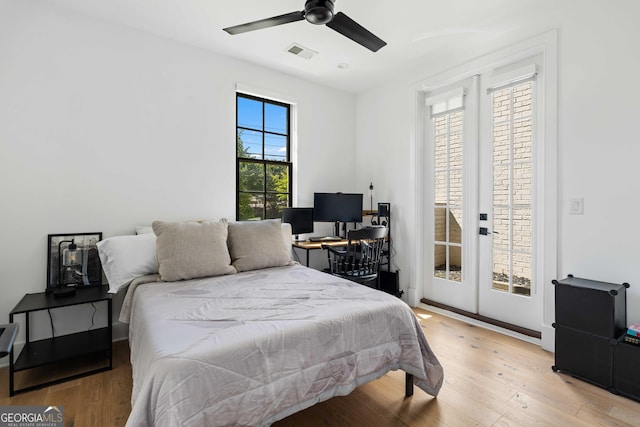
(325, 239)
(301, 220)
(337, 208)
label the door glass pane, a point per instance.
(455, 151)
(500, 270)
(521, 277)
(501, 185)
(440, 184)
(455, 187)
(521, 230)
(440, 222)
(500, 234)
(522, 181)
(455, 122)
(501, 147)
(501, 105)
(440, 261)
(440, 154)
(522, 140)
(455, 225)
(455, 263)
(522, 96)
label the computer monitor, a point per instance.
(301, 220)
(337, 207)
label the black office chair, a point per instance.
(360, 260)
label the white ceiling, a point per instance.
(416, 31)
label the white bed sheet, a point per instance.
(252, 348)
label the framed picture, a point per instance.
(73, 260)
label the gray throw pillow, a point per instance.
(258, 244)
(192, 249)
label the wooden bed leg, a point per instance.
(408, 386)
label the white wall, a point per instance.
(598, 144)
(104, 128)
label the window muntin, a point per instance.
(263, 165)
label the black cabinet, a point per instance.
(598, 308)
(590, 317)
(51, 351)
(585, 356)
(626, 376)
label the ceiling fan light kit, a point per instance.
(317, 12)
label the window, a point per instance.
(263, 166)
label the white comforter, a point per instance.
(252, 348)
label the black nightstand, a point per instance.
(51, 351)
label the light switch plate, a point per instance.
(576, 206)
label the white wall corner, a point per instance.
(412, 297)
(548, 340)
(119, 331)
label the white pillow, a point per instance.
(126, 257)
(144, 229)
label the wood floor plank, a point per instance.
(93, 399)
(591, 415)
(66, 397)
(490, 380)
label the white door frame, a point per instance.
(545, 44)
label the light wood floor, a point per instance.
(490, 380)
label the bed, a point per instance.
(251, 348)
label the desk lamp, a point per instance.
(69, 257)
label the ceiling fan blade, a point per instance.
(356, 32)
(266, 23)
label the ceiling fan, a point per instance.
(318, 12)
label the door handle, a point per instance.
(485, 231)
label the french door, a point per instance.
(482, 170)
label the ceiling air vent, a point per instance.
(301, 51)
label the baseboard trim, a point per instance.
(484, 319)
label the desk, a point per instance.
(310, 246)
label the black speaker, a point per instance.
(390, 283)
(384, 209)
